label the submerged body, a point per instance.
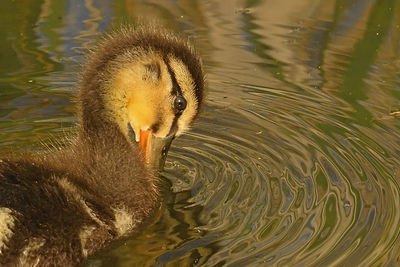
(59, 207)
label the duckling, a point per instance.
(139, 90)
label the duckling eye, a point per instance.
(180, 103)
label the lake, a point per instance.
(295, 158)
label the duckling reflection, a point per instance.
(139, 90)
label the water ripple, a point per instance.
(294, 161)
(321, 208)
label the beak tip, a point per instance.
(155, 149)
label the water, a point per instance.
(295, 158)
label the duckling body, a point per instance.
(60, 207)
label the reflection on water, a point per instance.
(295, 158)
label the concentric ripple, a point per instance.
(294, 160)
(275, 186)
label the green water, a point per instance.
(295, 158)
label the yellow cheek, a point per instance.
(140, 112)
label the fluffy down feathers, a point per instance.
(61, 206)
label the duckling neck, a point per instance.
(109, 163)
(111, 171)
(91, 109)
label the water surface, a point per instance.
(294, 159)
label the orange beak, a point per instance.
(144, 143)
(154, 149)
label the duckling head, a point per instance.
(147, 83)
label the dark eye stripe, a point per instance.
(176, 89)
(174, 126)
